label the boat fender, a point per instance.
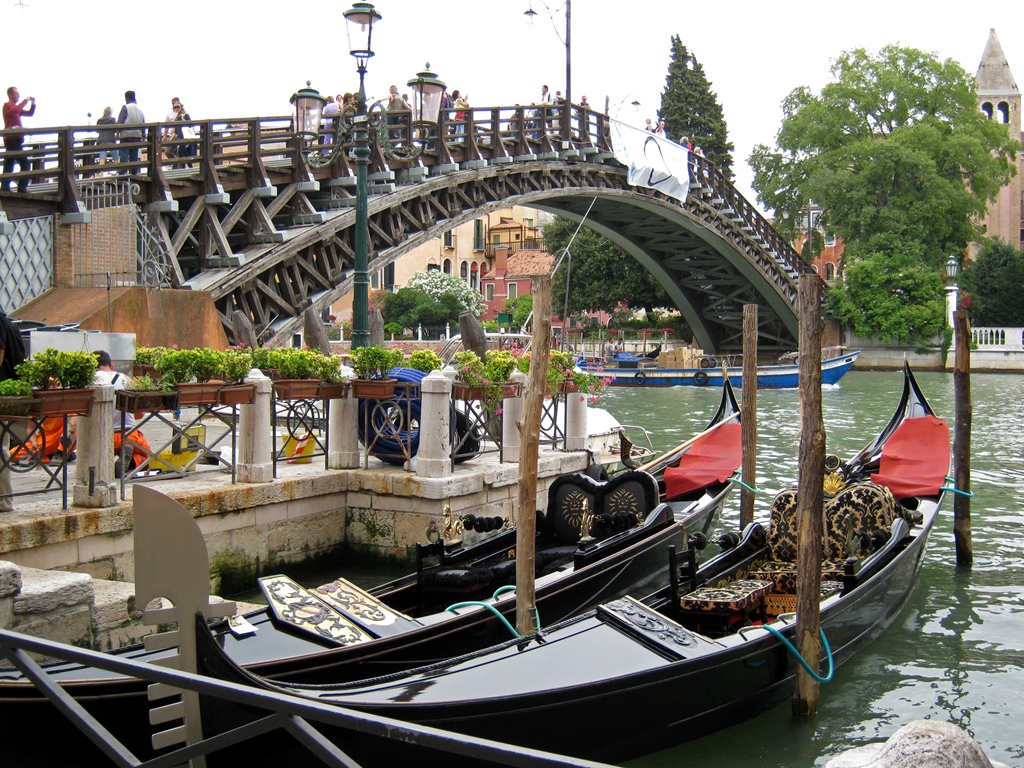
(705, 362)
(639, 377)
(700, 378)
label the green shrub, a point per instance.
(425, 360)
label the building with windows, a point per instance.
(469, 251)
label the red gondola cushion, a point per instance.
(915, 459)
(712, 459)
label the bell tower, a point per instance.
(1000, 99)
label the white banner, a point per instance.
(653, 161)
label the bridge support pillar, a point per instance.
(575, 421)
(434, 456)
(512, 414)
(94, 469)
(254, 461)
(343, 434)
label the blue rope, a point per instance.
(968, 494)
(789, 646)
(488, 606)
(512, 588)
(744, 485)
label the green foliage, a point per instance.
(437, 285)
(374, 362)
(425, 360)
(602, 274)
(410, 307)
(182, 365)
(329, 369)
(690, 108)
(68, 370)
(298, 363)
(149, 355)
(490, 374)
(995, 280)
(395, 329)
(891, 294)
(895, 145)
(146, 383)
(265, 357)
(236, 365)
(15, 388)
(520, 308)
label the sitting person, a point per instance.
(138, 449)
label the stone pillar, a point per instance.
(94, 468)
(10, 586)
(343, 431)
(434, 456)
(255, 449)
(511, 415)
(575, 421)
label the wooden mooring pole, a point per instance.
(748, 414)
(529, 435)
(962, 439)
(810, 496)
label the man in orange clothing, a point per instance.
(137, 450)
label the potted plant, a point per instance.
(298, 369)
(236, 364)
(334, 379)
(425, 360)
(487, 379)
(15, 397)
(146, 359)
(180, 366)
(371, 365)
(62, 381)
(144, 393)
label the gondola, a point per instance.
(705, 652)
(340, 632)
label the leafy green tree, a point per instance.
(520, 309)
(895, 145)
(410, 307)
(437, 284)
(995, 280)
(602, 274)
(891, 293)
(690, 108)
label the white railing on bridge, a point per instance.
(997, 339)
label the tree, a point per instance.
(437, 284)
(690, 108)
(896, 145)
(892, 294)
(602, 274)
(410, 307)
(520, 308)
(995, 280)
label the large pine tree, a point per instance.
(690, 109)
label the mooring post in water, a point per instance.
(529, 435)
(748, 414)
(962, 439)
(810, 495)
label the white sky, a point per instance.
(228, 58)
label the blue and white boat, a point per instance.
(632, 371)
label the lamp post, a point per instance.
(811, 210)
(952, 289)
(357, 129)
(567, 41)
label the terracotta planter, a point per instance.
(297, 389)
(237, 394)
(142, 369)
(334, 390)
(199, 393)
(374, 389)
(16, 406)
(141, 402)
(463, 391)
(63, 402)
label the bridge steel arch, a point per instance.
(708, 259)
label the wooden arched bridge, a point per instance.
(240, 213)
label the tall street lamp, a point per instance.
(356, 130)
(952, 289)
(567, 41)
(813, 212)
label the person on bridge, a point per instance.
(106, 136)
(137, 450)
(13, 112)
(130, 138)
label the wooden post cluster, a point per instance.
(810, 495)
(526, 519)
(748, 414)
(962, 439)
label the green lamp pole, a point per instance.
(357, 129)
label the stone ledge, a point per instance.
(10, 579)
(44, 591)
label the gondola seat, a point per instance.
(915, 460)
(716, 610)
(712, 459)
(618, 504)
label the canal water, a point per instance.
(956, 652)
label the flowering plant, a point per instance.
(490, 374)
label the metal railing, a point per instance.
(297, 717)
